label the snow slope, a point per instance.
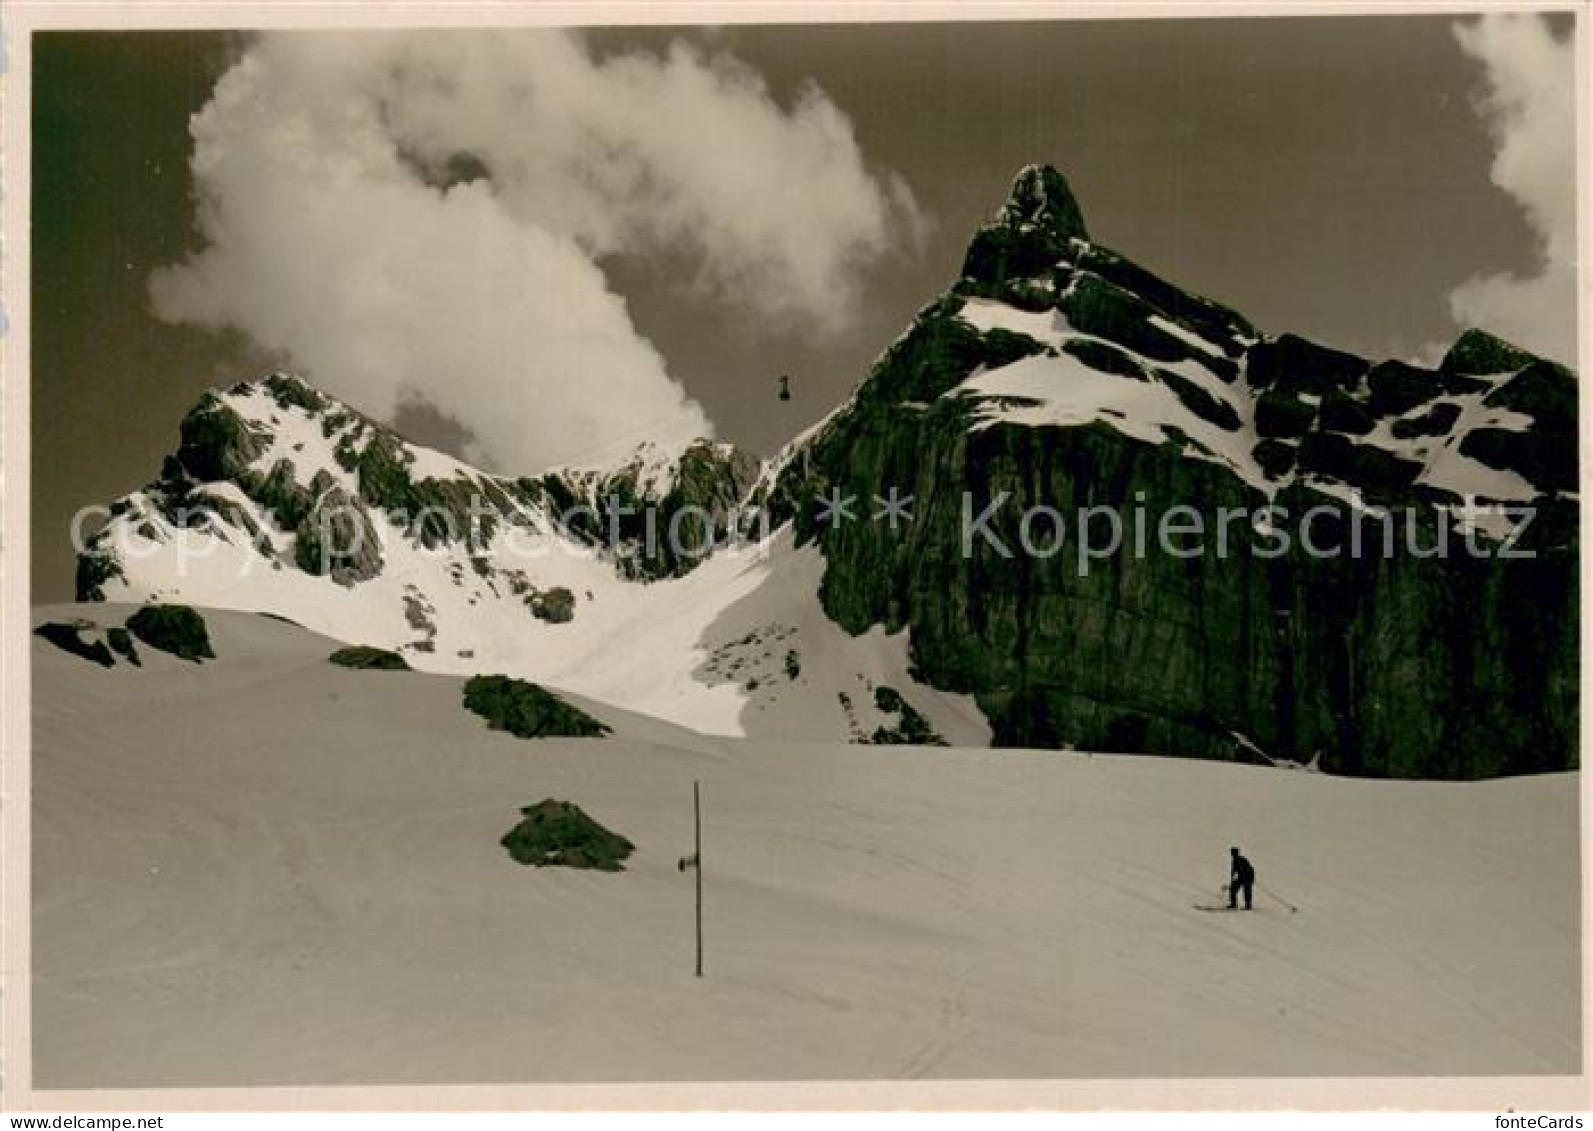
(675, 648)
(270, 870)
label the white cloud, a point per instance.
(319, 159)
(1527, 102)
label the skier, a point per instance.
(1242, 878)
(785, 388)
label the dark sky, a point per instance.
(1326, 176)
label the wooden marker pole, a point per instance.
(694, 861)
(696, 805)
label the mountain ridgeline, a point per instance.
(243, 464)
(1041, 421)
(1446, 666)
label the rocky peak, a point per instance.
(1032, 233)
(1041, 197)
(696, 489)
(1479, 353)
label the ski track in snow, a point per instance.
(269, 870)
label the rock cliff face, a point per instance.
(660, 513)
(1057, 384)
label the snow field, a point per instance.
(270, 870)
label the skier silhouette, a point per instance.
(1242, 878)
(785, 388)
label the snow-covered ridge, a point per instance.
(1170, 401)
(651, 469)
(738, 643)
(1076, 334)
(313, 435)
(274, 448)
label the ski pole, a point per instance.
(1292, 908)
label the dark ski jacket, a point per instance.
(1243, 873)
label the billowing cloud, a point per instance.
(423, 216)
(1527, 102)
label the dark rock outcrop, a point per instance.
(216, 442)
(559, 833)
(121, 642)
(96, 565)
(656, 521)
(69, 638)
(526, 710)
(909, 728)
(174, 629)
(337, 538)
(363, 657)
(1012, 256)
(556, 605)
(1478, 353)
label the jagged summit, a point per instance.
(1031, 231)
(1479, 353)
(1040, 196)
